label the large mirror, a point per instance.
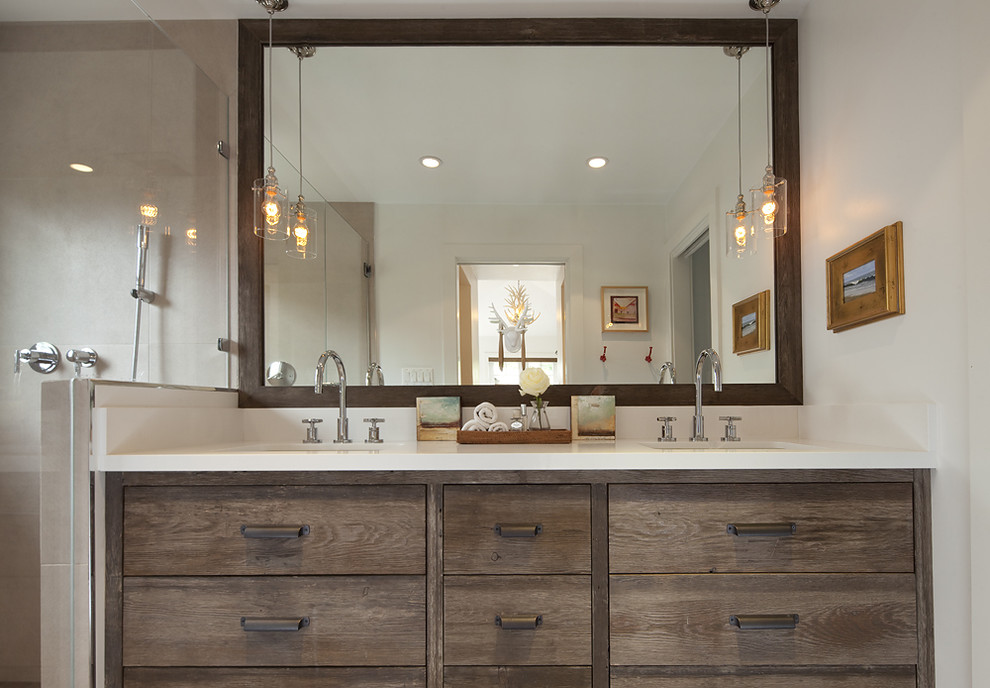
(438, 239)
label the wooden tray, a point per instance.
(517, 437)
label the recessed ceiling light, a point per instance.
(597, 162)
(430, 161)
(80, 167)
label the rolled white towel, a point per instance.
(474, 425)
(498, 426)
(485, 413)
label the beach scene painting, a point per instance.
(859, 281)
(747, 325)
(437, 418)
(593, 417)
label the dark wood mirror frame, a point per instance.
(252, 41)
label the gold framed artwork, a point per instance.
(593, 417)
(751, 324)
(625, 309)
(866, 280)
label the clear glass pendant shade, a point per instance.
(770, 201)
(740, 233)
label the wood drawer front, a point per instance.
(303, 677)
(517, 677)
(843, 619)
(861, 527)
(196, 621)
(471, 636)
(766, 677)
(197, 530)
(471, 544)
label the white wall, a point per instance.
(975, 74)
(882, 138)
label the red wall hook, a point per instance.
(649, 356)
(602, 357)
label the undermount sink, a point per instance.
(719, 445)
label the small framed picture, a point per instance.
(593, 417)
(438, 418)
(751, 324)
(866, 280)
(625, 309)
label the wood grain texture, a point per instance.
(847, 619)
(519, 477)
(196, 530)
(303, 677)
(682, 528)
(434, 586)
(195, 621)
(471, 604)
(788, 387)
(925, 585)
(599, 584)
(472, 546)
(113, 610)
(517, 677)
(763, 677)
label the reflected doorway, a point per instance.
(691, 303)
(509, 317)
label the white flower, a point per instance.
(533, 381)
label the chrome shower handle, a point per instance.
(42, 357)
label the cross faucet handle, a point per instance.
(374, 430)
(311, 431)
(730, 428)
(666, 431)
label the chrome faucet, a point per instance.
(699, 420)
(669, 368)
(342, 385)
(374, 370)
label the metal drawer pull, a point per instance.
(518, 623)
(274, 531)
(761, 529)
(762, 622)
(283, 625)
(518, 529)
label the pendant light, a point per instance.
(740, 239)
(270, 216)
(769, 200)
(302, 220)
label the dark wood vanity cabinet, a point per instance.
(642, 579)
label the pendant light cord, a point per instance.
(300, 56)
(766, 15)
(739, 115)
(271, 126)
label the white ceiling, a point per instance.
(104, 10)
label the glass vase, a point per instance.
(539, 420)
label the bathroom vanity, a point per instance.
(667, 577)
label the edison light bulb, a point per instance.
(271, 206)
(740, 230)
(149, 214)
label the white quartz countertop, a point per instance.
(450, 456)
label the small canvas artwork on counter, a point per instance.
(438, 418)
(593, 417)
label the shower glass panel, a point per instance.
(122, 99)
